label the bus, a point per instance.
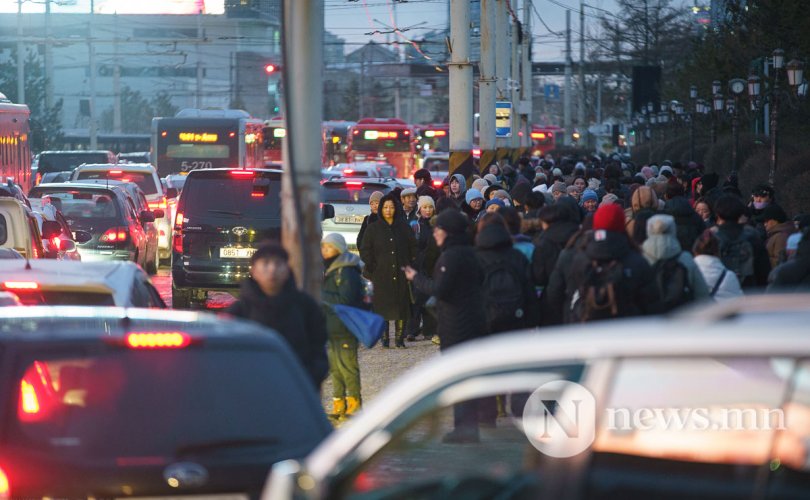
(545, 139)
(433, 138)
(384, 139)
(207, 138)
(335, 142)
(15, 150)
(117, 143)
(274, 133)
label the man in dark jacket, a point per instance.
(558, 227)
(270, 297)
(689, 225)
(741, 249)
(424, 184)
(457, 285)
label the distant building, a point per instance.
(253, 9)
(372, 53)
(334, 49)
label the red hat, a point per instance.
(609, 217)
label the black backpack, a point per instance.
(737, 254)
(600, 295)
(503, 293)
(672, 281)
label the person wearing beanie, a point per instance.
(342, 284)
(494, 205)
(473, 203)
(408, 199)
(457, 285)
(519, 194)
(558, 189)
(677, 277)
(427, 252)
(610, 199)
(793, 275)
(589, 201)
(666, 171)
(269, 297)
(647, 172)
(502, 195)
(607, 278)
(493, 179)
(458, 186)
(573, 192)
(778, 228)
(389, 245)
(374, 205)
(480, 184)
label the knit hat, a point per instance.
(375, 196)
(557, 172)
(646, 172)
(558, 187)
(589, 194)
(773, 212)
(480, 184)
(452, 221)
(425, 201)
(609, 199)
(335, 240)
(407, 192)
(491, 178)
(496, 201)
(472, 194)
(609, 218)
(423, 174)
(666, 169)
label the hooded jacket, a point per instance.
(493, 244)
(794, 274)
(462, 182)
(711, 267)
(295, 316)
(688, 222)
(342, 284)
(776, 243)
(643, 205)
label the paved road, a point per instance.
(163, 282)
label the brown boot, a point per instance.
(352, 406)
(338, 408)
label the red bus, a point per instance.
(388, 139)
(15, 153)
(434, 137)
(274, 133)
(545, 139)
(335, 141)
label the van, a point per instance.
(19, 229)
(66, 161)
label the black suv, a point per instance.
(222, 215)
(112, 402)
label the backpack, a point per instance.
(503, 293)
(672, 280)
(600, 294)
(737, 254)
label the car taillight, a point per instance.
(57, 242)
(20, 285)
(243, 173)
(437, 183)
(5, 485)
(354, 184)
(37, 398)
(115, 235)
(37, 179)
(157, 340)
(177, 237)
(154, 205)
(116, 172)
(178, 220)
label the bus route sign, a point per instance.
(503, 119)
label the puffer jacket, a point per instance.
(688, 223)
(342, 284)
(711, 267)
(776, 244)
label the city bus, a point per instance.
(207, 138)
(545, 138)
(384, 139)
(335, 142)
(274, 133)
(433, 138)
(15, 151)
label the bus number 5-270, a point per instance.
(192, 165)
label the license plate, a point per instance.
(236, 253)
(349, 219)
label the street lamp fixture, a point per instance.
(650, 107)
(716, 85)
(693, 92)
(719, 101)
(795, 72)
(754, 86)
(778, 59)
(663, 117)
(802, 89)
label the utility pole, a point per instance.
(581, 94)
(514, 90)
(48, 56)
(501, 64)
(461, 84)
(20, 57)
(116, 80)
(526, 87)
(568, 74)
(303, 114)
(361, 84)
(92, 60)
(486, 85)
(198, 91)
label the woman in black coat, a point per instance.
(387, 247)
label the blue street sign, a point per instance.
(503, 119)
(551, 91)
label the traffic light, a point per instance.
(271, 68)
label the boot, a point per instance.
(338, 408)
(352, 406)
(385, 340)
(399, 333)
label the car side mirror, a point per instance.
(327, 211)
(82, 236)
(67, 246)
(147, 216)
(159, 213)
(171, 193)
(51, 229)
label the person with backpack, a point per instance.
(677, 278)
(610, 278)
(722, 283)
(741, 249)
(558, 226)
(689, 225)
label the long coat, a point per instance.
(385, 250)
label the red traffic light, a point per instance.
(270, 68)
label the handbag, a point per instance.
(365, 325)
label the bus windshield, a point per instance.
(380, 140)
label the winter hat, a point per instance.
(540, 188)
(375, 196)
(609, 199)
(462, 182)
(594, 183)
(496, 201)
(609, 218)
(662, 241)
(666, 169)
(589, 194)
(654, 169)
(491, 178)
(407, 192)
(580, 166)
(558, 187)
(335, 240)
(452, 221)
(503, 195)
(473, 194)
(556, 172)
(647, 172)
(425, 201)
(480, 184)
(773, 212)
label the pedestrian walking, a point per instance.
(741, 248)
(778, 228)
(793, 275)
(458, 186)
(374, 205)
(427, 253)
(720, 280)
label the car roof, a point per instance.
(701, 331)
(78, 185)
(74, 151)
(132, 167)
(202, 171)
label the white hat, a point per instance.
(407, 192)
(335, 240)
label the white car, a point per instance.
(714, 403)
(145, 176)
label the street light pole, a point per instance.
(778, 62)
(691, 117)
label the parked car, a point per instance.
(48, 282)
(584, 406)
(135, 403)
(67, 161)
(8, 299)
(350, 197)
(19, 229)
(104, 224)
(222, 215)
(145, 176)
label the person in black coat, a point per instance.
(387, 247)
(269, 297)
(558, 226)
(793, 275)
(426, 255)
(688, 223)
(457, 285)
(374, 205)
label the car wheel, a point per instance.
(181, 299)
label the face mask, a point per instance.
(759, 205)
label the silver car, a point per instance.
(350, 197)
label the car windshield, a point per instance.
(111, 403)
(256, 196)
(60, 162)
(79, 204)
(350, 191)
(144, 180)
